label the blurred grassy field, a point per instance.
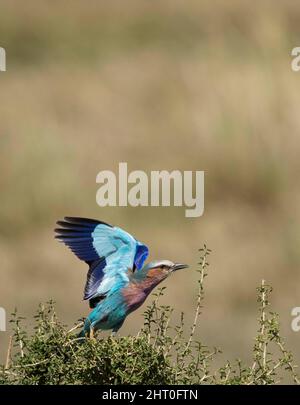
(169, 85)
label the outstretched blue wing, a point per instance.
(108, 250)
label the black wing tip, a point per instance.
(67, 231)
(82, 220)
(70, 223)
(61, 223)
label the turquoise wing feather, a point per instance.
(109, 251)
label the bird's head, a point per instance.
(155, 272)
(162, 268)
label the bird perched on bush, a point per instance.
(117, 280)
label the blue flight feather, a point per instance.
(141, 255)
(94, 277)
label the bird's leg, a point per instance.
(92, 333)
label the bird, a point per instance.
(117, 281)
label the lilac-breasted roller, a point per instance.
(117, 280)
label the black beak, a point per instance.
(179, 266)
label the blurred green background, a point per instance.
(184, 85)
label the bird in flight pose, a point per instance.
(117, 280)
